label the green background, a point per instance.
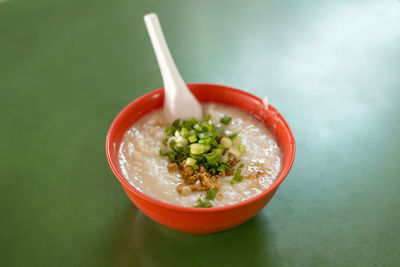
(332, 68)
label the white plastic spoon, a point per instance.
(179, 102)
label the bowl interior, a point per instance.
(204, 93)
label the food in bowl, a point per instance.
(226, 158)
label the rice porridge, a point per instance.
(149, 172)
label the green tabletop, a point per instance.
(332, 68)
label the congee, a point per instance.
(227, 157)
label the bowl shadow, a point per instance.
(139, 241)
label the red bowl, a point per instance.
(201, 220)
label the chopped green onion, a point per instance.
(172, 157)
(190, 161)
(211, 194)
(181, 141)
(203, 204)
(242, 149)
(188, 124)
(214, 156)
(172, 143)
(205, 135)
(185, 133)
(207, 141)
(198, 148)
(192, 138)
(223, 167)
(170, 130)
(226, 142)
(232, 136)
(237, 177)
(163, 152)
(225, 120)
(176, 123)
(198, 157)
(206, 126)
(201, 143)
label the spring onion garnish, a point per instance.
(211, 194)
(242, 149)
(226, 142)
(201, 141)
(163, 152)
(203, 204)
(198, 148)
(225, 120)
(204, 147)
(237, 177)
(192, 138)
(232, 136)
(190, 161)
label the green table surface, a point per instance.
(332, 68)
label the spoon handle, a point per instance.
(170, 74)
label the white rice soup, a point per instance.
(145, 169)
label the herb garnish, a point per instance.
(204, 144)
(237, 177)
(211, 194)
(203, 204)
(225, 120)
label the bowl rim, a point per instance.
(123, 181)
